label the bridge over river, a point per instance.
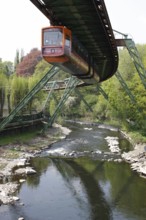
(90, 23)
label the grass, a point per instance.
(11, 154)
(18, 138)
(137, 137)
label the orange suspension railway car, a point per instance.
(59, 47)
(92, 51)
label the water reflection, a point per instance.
(123, 190)
(81, 189)
(102, 190)
(99, 208)
(41, 165)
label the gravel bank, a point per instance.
(14, 161)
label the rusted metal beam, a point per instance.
(120, 43)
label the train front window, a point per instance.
(53, 37)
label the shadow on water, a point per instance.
(98, 205)
(81, 189)
(114, 192)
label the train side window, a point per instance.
(67, 41)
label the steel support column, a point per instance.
(82, 98)
(131, 47)
(72, 83)
(136, 59)
(125, 87)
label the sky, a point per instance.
(21, 23)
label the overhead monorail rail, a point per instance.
(89, 22)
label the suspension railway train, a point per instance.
(61, 48)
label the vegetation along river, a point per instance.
(78, 180)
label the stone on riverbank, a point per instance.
(113, 144)
(137, 159)
(10, 167)
(26, 170)
(6, 190)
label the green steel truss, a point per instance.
(125, 87)
(100, 89)
(130, 45)
(70, 86)
(51, 89)
(82, 98)
(28, 97)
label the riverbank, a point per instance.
(137, 159)
(15, 158)
(14, 161)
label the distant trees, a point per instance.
(3, 85)
(27, 65)
(18, 58)
(28, 72)
(14, 84)
(119, 107)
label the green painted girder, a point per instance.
(72, 83)
(82, 98)
(51, 89)
(136, 59)
(60, 84)
(55, 98)
(100, 89)
(28, 97)
(125, 87)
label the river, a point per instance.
(80, 188)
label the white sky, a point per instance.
(21, 23)
(129, 17)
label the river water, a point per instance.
(80, 188)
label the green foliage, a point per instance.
(118, 107)
(101, 108)
(3, 86)
(17, 59)
(52, 106)
(26, 65)
(126, 65)
(19, 88)
(41, 69)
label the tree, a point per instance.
(27, 66)
(21, 55)
(9, 69)
(17, 59)
(3, 84)
(19, 88)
